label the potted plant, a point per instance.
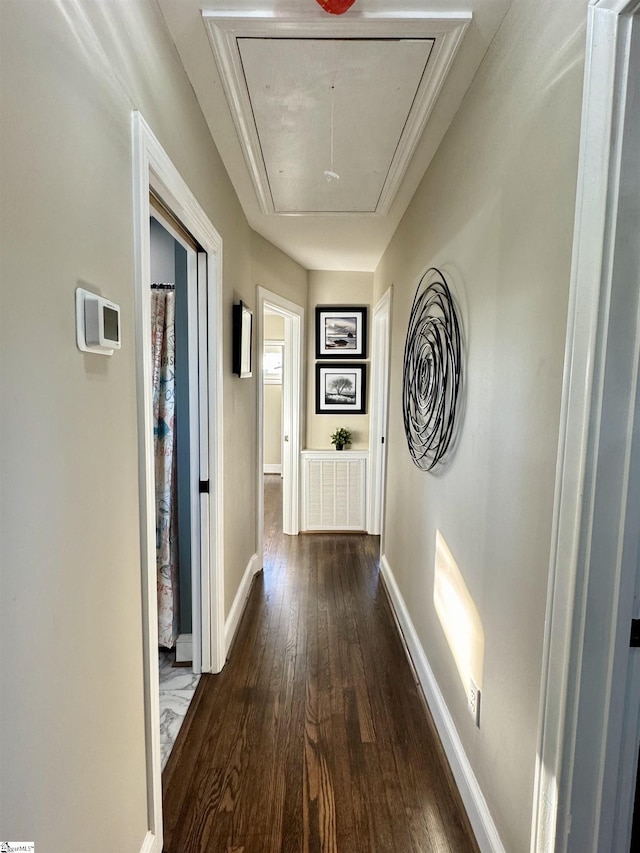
(341, 437)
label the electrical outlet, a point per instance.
(474, 701)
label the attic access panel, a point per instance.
(278, 76)
(300, 88)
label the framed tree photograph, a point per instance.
(341, 388)
(341, 331)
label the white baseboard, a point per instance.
(272, 468)
(152, 843)
(474, 802)
(184, 648)
(239, 602)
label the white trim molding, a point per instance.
(379, 412)
(151, 844)
(240, 601)
(272, 468)
(474, 802)
(224, 28)
(593, 564)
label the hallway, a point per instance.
(314, 736)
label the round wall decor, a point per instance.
(432, 371)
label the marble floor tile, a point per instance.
(165, 661)
(179, 678)
(177, 686)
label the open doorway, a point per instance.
(284, 319)
(273, 357)
(176, 414)
(153, 172)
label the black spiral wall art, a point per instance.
(432, 371)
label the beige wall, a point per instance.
(495, 210)
(277, 272)
(335, 288)
(273, 327)
(72, 734)
(272, 424)
(272, 432)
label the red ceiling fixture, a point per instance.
(336, 7)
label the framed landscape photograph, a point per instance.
(341, 331)
(341, 388)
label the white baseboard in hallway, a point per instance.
(239, 602)
(474, 802)
(151, 844)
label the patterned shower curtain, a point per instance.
(163, 341)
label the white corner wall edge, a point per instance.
(474, 802)
(151, 843)
(239, 602)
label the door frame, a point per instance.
(378, 422)
(585, 719)
(292, 395)
(153, 169)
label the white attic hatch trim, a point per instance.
(278, 74)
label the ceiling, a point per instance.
(325, 123)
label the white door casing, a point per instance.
(583, 783)
(380, 356)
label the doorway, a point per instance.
(153, 172)
(272, 420)
(272, 380)
(292, 319)
(177, 417)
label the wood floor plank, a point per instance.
(315, 737)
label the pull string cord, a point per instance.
(330, 174)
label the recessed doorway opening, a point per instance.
(176, 434)
(154, 174)
(280, 315)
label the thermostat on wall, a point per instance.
(97, 323)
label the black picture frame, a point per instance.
(242, 340)
(341, 332)
(351, 399)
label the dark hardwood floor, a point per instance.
(314, 737)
